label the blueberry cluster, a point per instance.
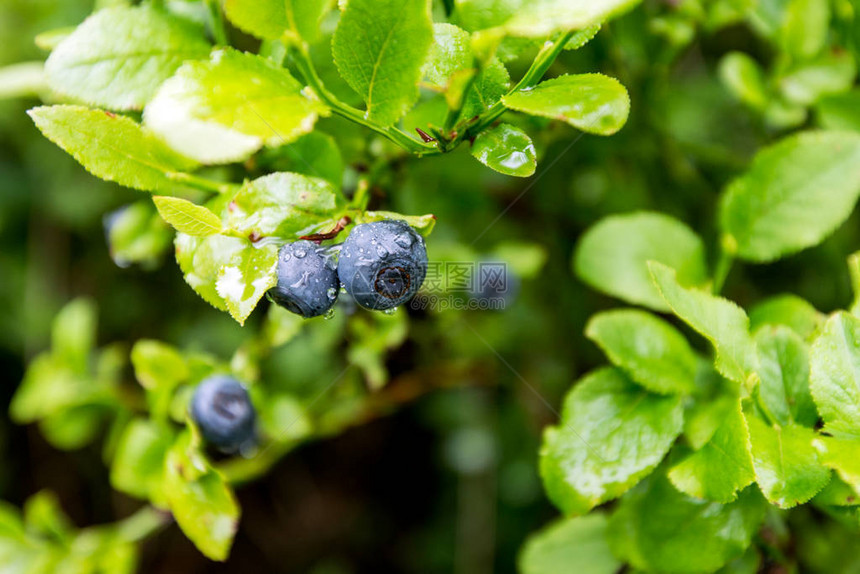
(381, 265)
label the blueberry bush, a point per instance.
(410, 221)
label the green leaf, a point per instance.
(505, 149)
(722, 467)
(44, 516)
(73, 334)
(315, 154)
(786, 464)
(450, 53)
(283, 418)
(138, 465)
(612, 256)
(231, 274)
(712, 404)
(837, 492)
(544, 17)
(275, 19)
(157, 365)
(73, 428)
(593, 103)
(225, 109)
(582, 37)
(26, 79)
(379, 48)
(370, 339)
(187, 217)
(835, 375)
(50, 386)
(648, 349)
(719, 320)
(569, 546)
(658, 529)
(202, 503)
(119, 56)
(843, 456)
(795, 194)
(112, 147)
(136, 234)
(285, 205)
(854, 273)
(789, 310)
(482, 14)
(487, 89)
(423, 224)
(783, 391)
(744, 79)
(805, 27)
(612, 433)
(839, 111)
(830, 73)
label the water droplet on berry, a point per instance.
(299, 252)
(405, 241)
(391, 311)
(381, 251)
(329, 314)
(286, 257)
(343, 289)
(331, 293)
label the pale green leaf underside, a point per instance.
(118, 57)
(379, 48)
(187, 217)
(593, 103)
(505, 149)
(612, 433)
(794, 195)
(719, 320)
(225, 109)
(112, 147)
(612, 256)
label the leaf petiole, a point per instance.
(306, 68)
(533, 75)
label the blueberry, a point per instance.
(382, 264)
(222, 409)
(307, 280)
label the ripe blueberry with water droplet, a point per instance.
(223, 410)
(306, 280)
(382, 264)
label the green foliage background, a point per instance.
(412, 443)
